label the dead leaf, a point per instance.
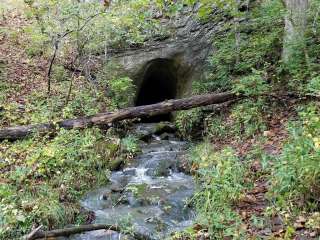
(249, 199)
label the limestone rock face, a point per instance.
(186, 48)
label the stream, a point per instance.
(150, 194)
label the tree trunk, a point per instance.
(20, 132)
(295, 25)
(237, 33)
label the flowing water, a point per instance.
(150, 194)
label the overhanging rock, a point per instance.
(187, 49)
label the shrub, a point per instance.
(314, 85)
(247, 118)
(297, 172)
(36, 44)
(55, 171)
(217, 127)
(252, 84)
(119, 88)
(220, 181)
(59, 73)
(188, 121)
(121, 91)
(129, 146)
(259, 47)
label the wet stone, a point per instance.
(129, 172)
(105, 196)
(148, 131)
(116, 188)
(167, 136)
(160, 171)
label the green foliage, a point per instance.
(314, 86)
(216, 126)
(122, 92)
(119, 88)
(2, 72)
(84, 100)
(258, 47)
(60, 74)
(297, 172)
(129, 146)
(126, 225)
(220, 177)
(36, 44)
(91, 27)
(57, 171)
(253, 84)
(188, 121)
(245, 120)
(4, 87)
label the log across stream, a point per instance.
(19, 132)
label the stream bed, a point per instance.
(150, 194)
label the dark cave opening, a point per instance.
(159, 84)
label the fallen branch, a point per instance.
(53, 58)
(81, 229)
(20, 132)
(33, 232)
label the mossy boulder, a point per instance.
(107, 149)
(115, 164)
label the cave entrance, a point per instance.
(159, 84)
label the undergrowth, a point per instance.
(41, 184)
(220, 177)
(295, 182)
(254, 67)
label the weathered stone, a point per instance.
(106, 149)
(186, 50)
(146, 131)
(116, 188)
(115, 164)
(165, 127)
(167, 136)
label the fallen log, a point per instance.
(65, 232)
(20, 132)
(33, 232)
